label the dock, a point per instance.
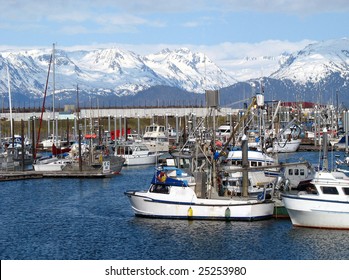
(19, 175)
(309, 148)
(30, 174)
(76, 174)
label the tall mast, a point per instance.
(9, 99)
(53, 95)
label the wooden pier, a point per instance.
(309, 148)
(19, 175)
(25, 175)
(76, 174)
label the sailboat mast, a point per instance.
(9, 99)
(53, 95)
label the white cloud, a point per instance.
(299, 7)
(79, 10)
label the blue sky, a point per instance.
(222, 28)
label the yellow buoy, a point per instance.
(190, 212)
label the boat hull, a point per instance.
(48, 167)
(215, 209)
(311, 212)
(285, 146)
(140, 160)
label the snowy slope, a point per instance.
(110, 71)
(118, 72)
(316, 62)
(193, 72)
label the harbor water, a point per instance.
(91, 219)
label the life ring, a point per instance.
(162, 177)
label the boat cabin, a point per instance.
(299, 175)
(155, 132)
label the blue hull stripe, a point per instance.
(313, 199)
(191, 203)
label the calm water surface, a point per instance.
(92, 219)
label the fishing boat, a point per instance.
(136, 153)
(325, 204)
(155, 138)
(193, 195)
(174, 198)
(230, 175)
(258, 183)
(171, 196)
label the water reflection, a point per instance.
(92, 219)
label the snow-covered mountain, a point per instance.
(120, 76)
(110, 71)
(316, 62)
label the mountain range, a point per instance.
(116, 77)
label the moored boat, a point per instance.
(325, 204)
(155, 138)
(173, 198)
(50, 164)
(136, 154)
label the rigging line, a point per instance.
(239, 101)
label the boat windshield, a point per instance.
(159, 188)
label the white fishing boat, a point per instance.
(255, 158)
(174, 198)
(155, 138)
(258, 183)
(136, 154)
(230, 179)
(188, 194)
(171, 195)
(324, 205)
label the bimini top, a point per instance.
(161, 178)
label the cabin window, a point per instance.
(259, 163)
(157, 188)
(329, 190)
(184, 163)
(346, 191)
(253, 163)
(296, 172)
(301, 172)
(290, 172)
